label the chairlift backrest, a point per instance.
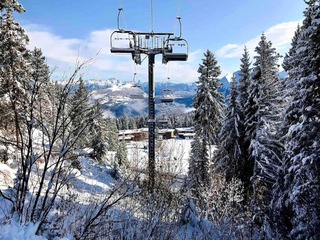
(167, 90)
(136, 85)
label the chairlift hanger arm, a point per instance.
(118, 18)
(179, 19)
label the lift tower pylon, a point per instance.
(151, 44)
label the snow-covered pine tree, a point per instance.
(208, 102)
(298, 204)
(80, 108)
(245, 170)
(14, 67)
(39, 83)
(121, 154)
(198, 176)
(263, 109)
(132, 123)
(13, 4)
(209, 105)
(40, 70)
(289, 63)
(244, 80)
(98, 132)
(281, 212)
(279, 207)
(229, 152)
(112, 134)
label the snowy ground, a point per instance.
(171, 155)
(91, 182)
(94, 179)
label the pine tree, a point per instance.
(14, 67)
(279, 207)
(288, 64)
(132, 123)
(245, 170)
(39, 82)
(229, 153)
(112, 134)
(121, 154)
(13, 4)
(40, 70)
(97, 131)
(244, 80)
(80, 107)
(198, 176)
(208, 104)
(263, 109)
(298, 203)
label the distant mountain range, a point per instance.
(127, 99)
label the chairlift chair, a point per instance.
(166, 96)
(121, 42)
(136, 95)
(136, 86)
(175, 49)
(163, 121)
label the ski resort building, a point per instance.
(185, 133)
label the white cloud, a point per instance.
(230, 51)
(65, 52)
(280, 35)
(55, 47)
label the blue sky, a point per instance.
(68, 31)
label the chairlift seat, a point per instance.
(122, 50)
(136, 96)
(176, 56)
(166, 100)
(136, 85)
(163, 121)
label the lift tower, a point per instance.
(151, 44)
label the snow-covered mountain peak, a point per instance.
(228, 77)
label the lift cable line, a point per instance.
(171, 47)
(178, 14)
(151, 9)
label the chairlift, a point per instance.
(135, 86)
(175, 49)
(166, 96)
(121, 41)
(163, 121)
(125, 42)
